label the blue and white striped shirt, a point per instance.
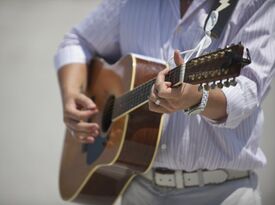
(154, 28)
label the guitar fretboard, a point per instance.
(213, 67)
(140, 94)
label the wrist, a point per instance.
(72, 79)
(200, 105)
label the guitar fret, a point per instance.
(204, 69)
(140, 94)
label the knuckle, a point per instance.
(80, 140)
(79, 136)
(67, 108)
(93, 126)
(78, 126)
(80, 116)
(151, 98)
(162, 72)
(157, 85)
(161, 93)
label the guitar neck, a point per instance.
(216, 67)
(139, 96)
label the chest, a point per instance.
(155, 28)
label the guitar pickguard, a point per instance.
(93, 151)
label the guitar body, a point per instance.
(98, 173)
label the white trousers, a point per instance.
(236, 192)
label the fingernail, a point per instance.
(94, 133)
(81, 137)
(90, 139)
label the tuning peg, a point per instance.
(200, 87)
(213, 85)
(227, 83)
(220, 84)
(201, 60)
(208, 58)
(233, 82)
(221, 53)
(206, 86)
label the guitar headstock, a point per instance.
(217, 69)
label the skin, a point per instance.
(77, 107)
(185, 96)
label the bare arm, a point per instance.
(216, 106)
(77, 107)
(72, 78)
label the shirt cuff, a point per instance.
(237, 108)
(71, 54)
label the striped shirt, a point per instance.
(154, 28)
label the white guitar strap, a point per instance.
(213, 27)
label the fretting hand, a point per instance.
(167, 99)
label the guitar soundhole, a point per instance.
(107, 114)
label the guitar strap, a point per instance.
(214, 24)
(218, 17)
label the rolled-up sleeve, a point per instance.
(96, 34)
(258, 35)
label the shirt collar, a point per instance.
(175, 4)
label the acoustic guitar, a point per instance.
(130, 134)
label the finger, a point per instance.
(84, 137)
(165, 90)
(87, 140)
(81, 137)
(159, 101)
(72, 112)
(90, 139)
(161, 76)
(177, 58)
(173, 93)
(81, 126)
(85, 102)
(157, 108)
(154, 94)
(167, 105)
(162, 86)
(80, 134)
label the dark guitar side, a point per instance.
(132, 139)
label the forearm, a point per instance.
(77, 107)
(72, 78)
(216, 106)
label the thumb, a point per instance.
(85, 102)
(177, 58)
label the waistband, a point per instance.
(180, 179)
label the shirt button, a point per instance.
(163, 146)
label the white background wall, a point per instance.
(31, 127)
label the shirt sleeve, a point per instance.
(258, 35)
(97, 34)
